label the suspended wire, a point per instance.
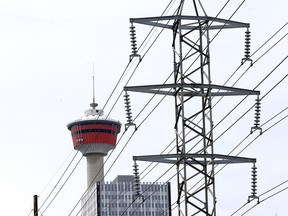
(255, 60)
(205, 48)
(251, 55)
(155, 164)
(211, 41)
(251, 108)
(210, 24)
(229, 19)
(217, 32)
(166, 10)
(155, 105)
(246, 148)
(278, 192)
(280, 81)
(57, 184)
(58, 171)
(130, 78)
(269, 39)
(117, 156)
(146, 197)
(114, 104)
(273, 187)
(252, 142)
(123, 74)
(107, 116)
(133, 134)
(119, 80)
(147, 38)
(222, 119)
(52, 179)
(62, 185)
(273, 70)
(250, 67)
(147, 190)
(107, 173)
(74, 168)
(187, 54)
(261, 125)
(257, 135)
(30, 212)
(262, 200)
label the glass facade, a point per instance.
(117, 198)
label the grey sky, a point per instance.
(47, 49)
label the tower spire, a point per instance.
(93, 104)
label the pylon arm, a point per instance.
(191, 90)
(168, 22)
(195, 159)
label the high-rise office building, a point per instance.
(118, 198)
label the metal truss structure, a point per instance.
(193, 91)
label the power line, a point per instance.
(274, 86)
(118, 97)
(62, 185)
(55, 187)
(265, 199)
(273, 70)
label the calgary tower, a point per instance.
(94, 135)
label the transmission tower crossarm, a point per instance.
(194, 158)
(192, 89)
(216, 23)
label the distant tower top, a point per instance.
(94, 135)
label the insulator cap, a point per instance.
(137, 188)
(247, 47)
(133, 42)
(128, 111)
(253, 184)
(257, 113)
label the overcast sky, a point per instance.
(47, 52)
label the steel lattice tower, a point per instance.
(193, 92)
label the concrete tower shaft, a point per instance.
(95, 169)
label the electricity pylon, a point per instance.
(193, 91)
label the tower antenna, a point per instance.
(93, 104)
